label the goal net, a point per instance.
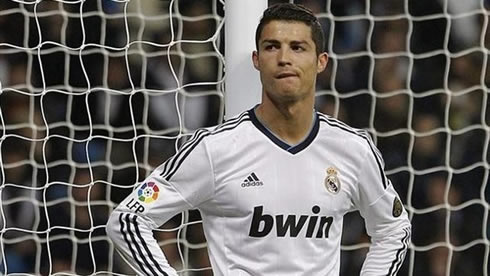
(95, 94)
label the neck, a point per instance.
(289, 121)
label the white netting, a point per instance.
(414, 73)
(95, 94)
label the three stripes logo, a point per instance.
(252, 180)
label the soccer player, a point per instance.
(274, 183)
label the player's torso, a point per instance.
(283, 183)
(281, 205)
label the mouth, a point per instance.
(284, 75)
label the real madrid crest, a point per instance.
(332, 182)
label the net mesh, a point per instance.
(415, 75)
(96, 94)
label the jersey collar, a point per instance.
(276, 140)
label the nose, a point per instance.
(283, 57)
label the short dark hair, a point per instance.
(293, 12)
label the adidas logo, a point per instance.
(252, 180)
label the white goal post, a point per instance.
(242, 17)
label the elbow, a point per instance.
(404, 231)
(409, 230)
(113, 226)
(407, 225)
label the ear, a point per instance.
(322, 62)
(255, 59)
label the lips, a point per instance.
(283, 75)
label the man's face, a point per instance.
(287, 60)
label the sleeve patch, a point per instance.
(397, 207)
(148, 192)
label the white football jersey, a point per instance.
(268, 208)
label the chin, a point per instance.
(285, 93)
(288, 89)
(290, 96)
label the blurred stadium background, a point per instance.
(97, 93)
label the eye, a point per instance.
(271, 47)
(297, 48)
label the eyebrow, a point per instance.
(295, 42)
(300, 42)
(272, 41)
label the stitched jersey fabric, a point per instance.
(268, 208)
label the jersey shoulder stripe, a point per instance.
(359, 132)
(195, 136)
(175, 162)
(170, 163)
(362, 134)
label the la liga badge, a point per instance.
(332, 182)
(148, 192)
